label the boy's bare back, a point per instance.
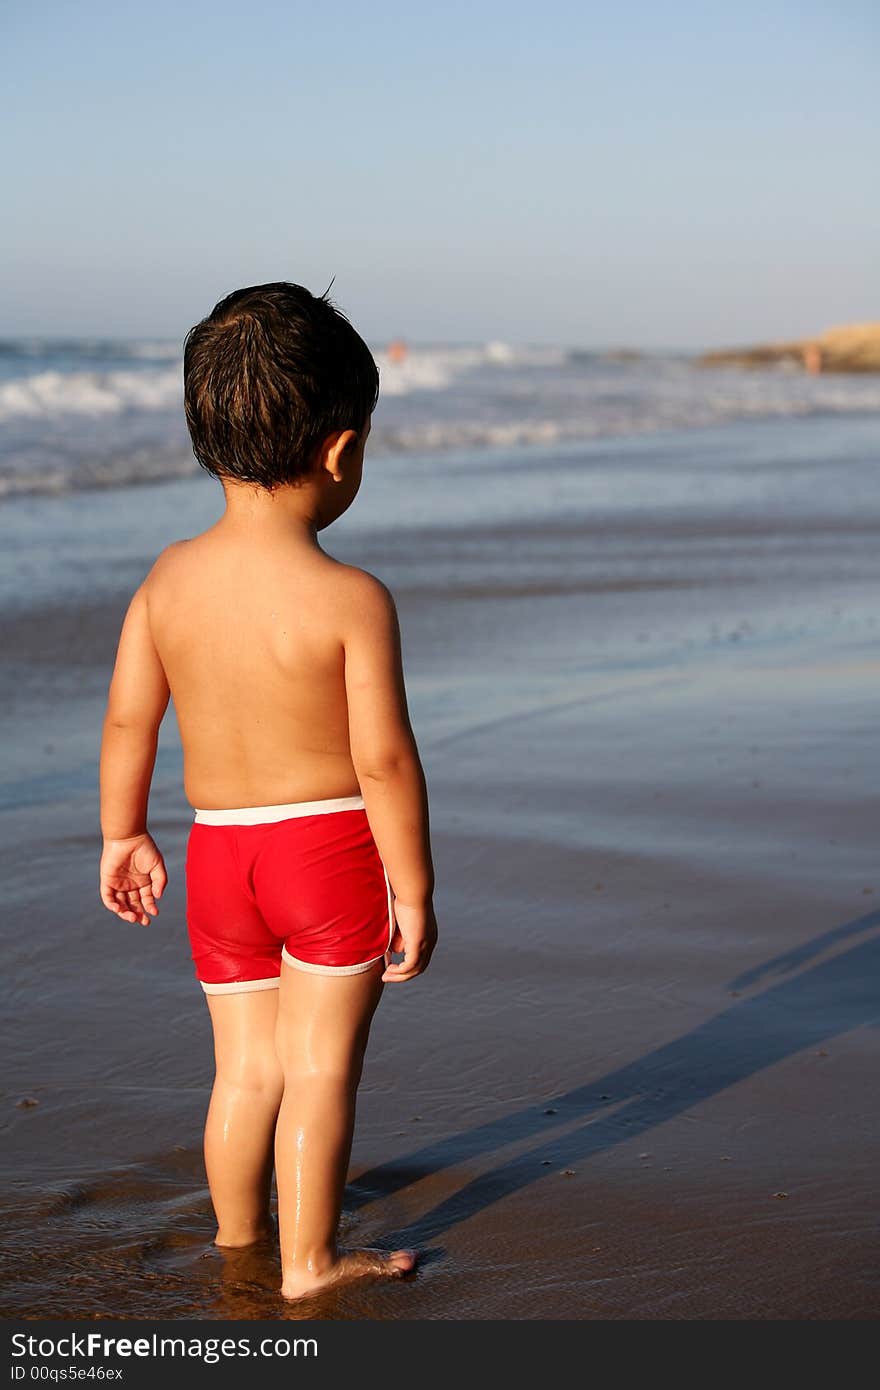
(250, 631)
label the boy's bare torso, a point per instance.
(248, 629)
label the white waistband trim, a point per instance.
(264, 815)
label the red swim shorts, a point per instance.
(303, 883)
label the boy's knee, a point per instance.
(260, 1075)
(335, 1073)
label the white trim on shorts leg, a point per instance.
(390, 910)
(266, 815)
(312, 969)
(241, 986)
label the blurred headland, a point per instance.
(854, 347)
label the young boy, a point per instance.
(309, 859)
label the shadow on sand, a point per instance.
(831, 997)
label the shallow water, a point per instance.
(643, 677)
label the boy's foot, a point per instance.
(356, 1264)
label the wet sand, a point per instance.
(638, 1080)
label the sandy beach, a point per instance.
(638, 1080)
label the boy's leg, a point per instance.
(323, 1025)
(240, 1127)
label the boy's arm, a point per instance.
(386, 760)
(132, 872)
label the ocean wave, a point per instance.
(58, 469)
(53, 475)
(54, 393)
(438, 368)
(442, 435)
(75, 350)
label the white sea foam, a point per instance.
(97, 393)
(438, 368)
(54, 393)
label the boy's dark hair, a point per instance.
(269, 373)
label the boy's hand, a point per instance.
(415, 934)
(132, 878)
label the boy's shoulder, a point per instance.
(171, 552)
(364, 587)
(365, 599)
(361, 581)
(165, 571)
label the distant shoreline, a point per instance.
(852, 348)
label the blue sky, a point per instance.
(645, 173)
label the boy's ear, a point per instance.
(334, 449)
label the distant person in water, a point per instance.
(813, 359)
(397, 351)
(309, 861)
